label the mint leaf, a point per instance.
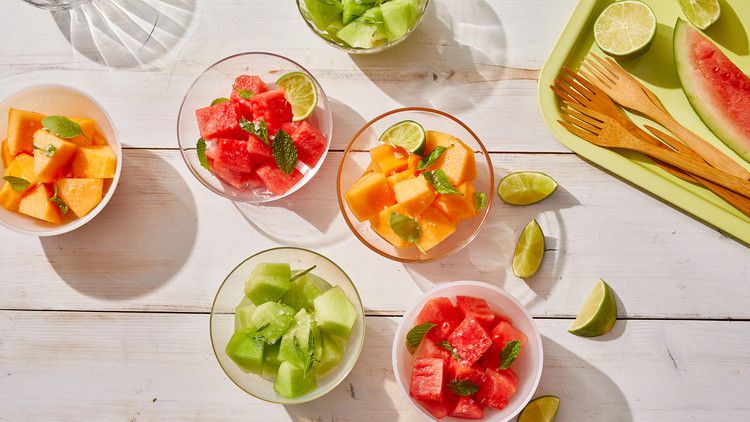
(509, 354)
(259, 129)
(59, 202)
(284, 152)
(302, 273)
(17, 184)
(432, 157)
(63, 127)
(405, 227)
(307, 357)
(201, 150)
(480, 201)
(440, 182)
(447, 346)
(416, 334)
(245, 94)
(463, 387)
(219, 101)
(49, 151)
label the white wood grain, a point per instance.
(164, 243)
(61, 366)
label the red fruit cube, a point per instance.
(491, 358)
(259, 151)
(439, 311)
(219, 121)
(477, 308)
(504, 333)
(467, 408)
(427, 376)
(250, 83)
(275, 179)
(232, 154)
(273, 108)
(459, 371)
(469, 340)
(290, 127)
(436, 408)
(498, 388)
(310, 143)
(428, 349)
(239, 180)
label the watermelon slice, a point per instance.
(220, 121)
(427, 379)
(717, 89)
(469, 340)
(246, 85)
(467, 408)
(498, 388)
(273, 108)
(276, 181)
(232, 154)
(310, 143)
(504, 333)
(477, 308)
(259, 152)
(439, 311)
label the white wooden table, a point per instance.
(110, 322)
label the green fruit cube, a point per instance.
(246, 351)
(399, 16)
(271, 320)
(354, 9)
(301, 344)
(324, 13)
(291, 381)
(304, 290)
(271, 361)
(268, 282)
(367, 31)
(334, 313)
(243, 316)
(331, 356)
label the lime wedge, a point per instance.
(408, 135)
(529, 252)
(525, 187)
(625, 29)
(598, 314)
(702, 13)
(541, 409)
(301, 92)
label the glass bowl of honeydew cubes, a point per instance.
(362, 26)
(287, 325)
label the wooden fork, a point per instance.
(630, 93)
(606, 132)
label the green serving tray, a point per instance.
(656, 70)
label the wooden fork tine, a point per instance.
(589, 112)
(578, 132)
(596, 74)
(584, 118)
(573, 91)
(600, 69)
(581, 87)
(579, 77)
(578, 87)
(562, 94)
(613, 71)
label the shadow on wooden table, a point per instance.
(138, 241)
(451, 62)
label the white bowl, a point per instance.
(60, 100)
(528, 366)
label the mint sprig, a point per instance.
(302, 273)
(49, 151)
(245, 94)
(62, 127)
(415, 336)
(447, 346)
(463, 387)
(17, 184)
(430, 159)
(509, 354)
(307, 357)
(284, 152)
(259, 129)
(59, 202)
(480, 201)
(201, 151)
(405, 227)
(219, 101)
(440, 182)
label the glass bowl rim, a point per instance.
(350, 148)
(360, 310)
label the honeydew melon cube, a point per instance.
(296, 342)
(367, 31)
(268, 282)
(331, 355)
(246, 351)
(291, 381)
(243, 316)
(399, 16)
(325, 13)
(354, 9)
(303, 290)
(271, 361)
(334, 313)
(272, 319)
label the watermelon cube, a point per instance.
(504, 333)
(458, 371)
(273, 108)
(491, 358)
(427, 376)
(232, 154)
(260, 153)
(477, 308)
(219, 121)
(470, 341)
(439, 311)
(310, 143)
(276, 181)
(290, 127)
(428, 349)
(498, 388)
(437, 409)
(467, 408)
(239, 180)
(250, 83)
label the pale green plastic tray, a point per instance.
(656, 70)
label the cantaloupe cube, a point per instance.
(99, 138)
(388, 160)
(381, 224)
(457, 162)
(435, 226)
(414, 195)
(23, 167)
(36, 203)
(47, 166)
(9, 199)
(413, 162)
(94, 162)
(458, 207)
(401, 176)
(80, 195)
(369, 196)
(21, 127)
(88, 127)
(7, 158)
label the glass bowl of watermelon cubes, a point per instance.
(415, 184)
(254, 127)
(362, 27)
(287, 325)
(468, 350)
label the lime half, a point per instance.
(702, 13)
(529, 252)
(625, 29)
(598, 314)
(541, 409)
(301, 92)
(408, 135)
(525, 187)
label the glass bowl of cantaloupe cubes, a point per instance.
(415, 184)
(61, 160)
(287, 325)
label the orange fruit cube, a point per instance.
(21, 127)
(36, 203)
(413, 162)
(80, 195)
(369, 196)
(94, 162)
(381, 224)
(401, 176)
(48, 166)
(7, 158)
(435, 226)
(23, 167)
(414, 195)
(457, 162)
(458, 207)
(388, 160)
(88, 127)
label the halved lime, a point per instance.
(702, 13)
(529, 252)
(598, 314)
(408, 135)
(525, 187)
(625, 29)
(301, 92)
(541, 409)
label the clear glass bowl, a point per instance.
(215, 82)
(56, 4)
(231, 292)
(356, 160)
(332, 40)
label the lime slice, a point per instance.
(301, 92)
(702, 13)
(529, 252)
(625, 29)
(598, 314)
(525, 187)
(541, 409)
(408, 135)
